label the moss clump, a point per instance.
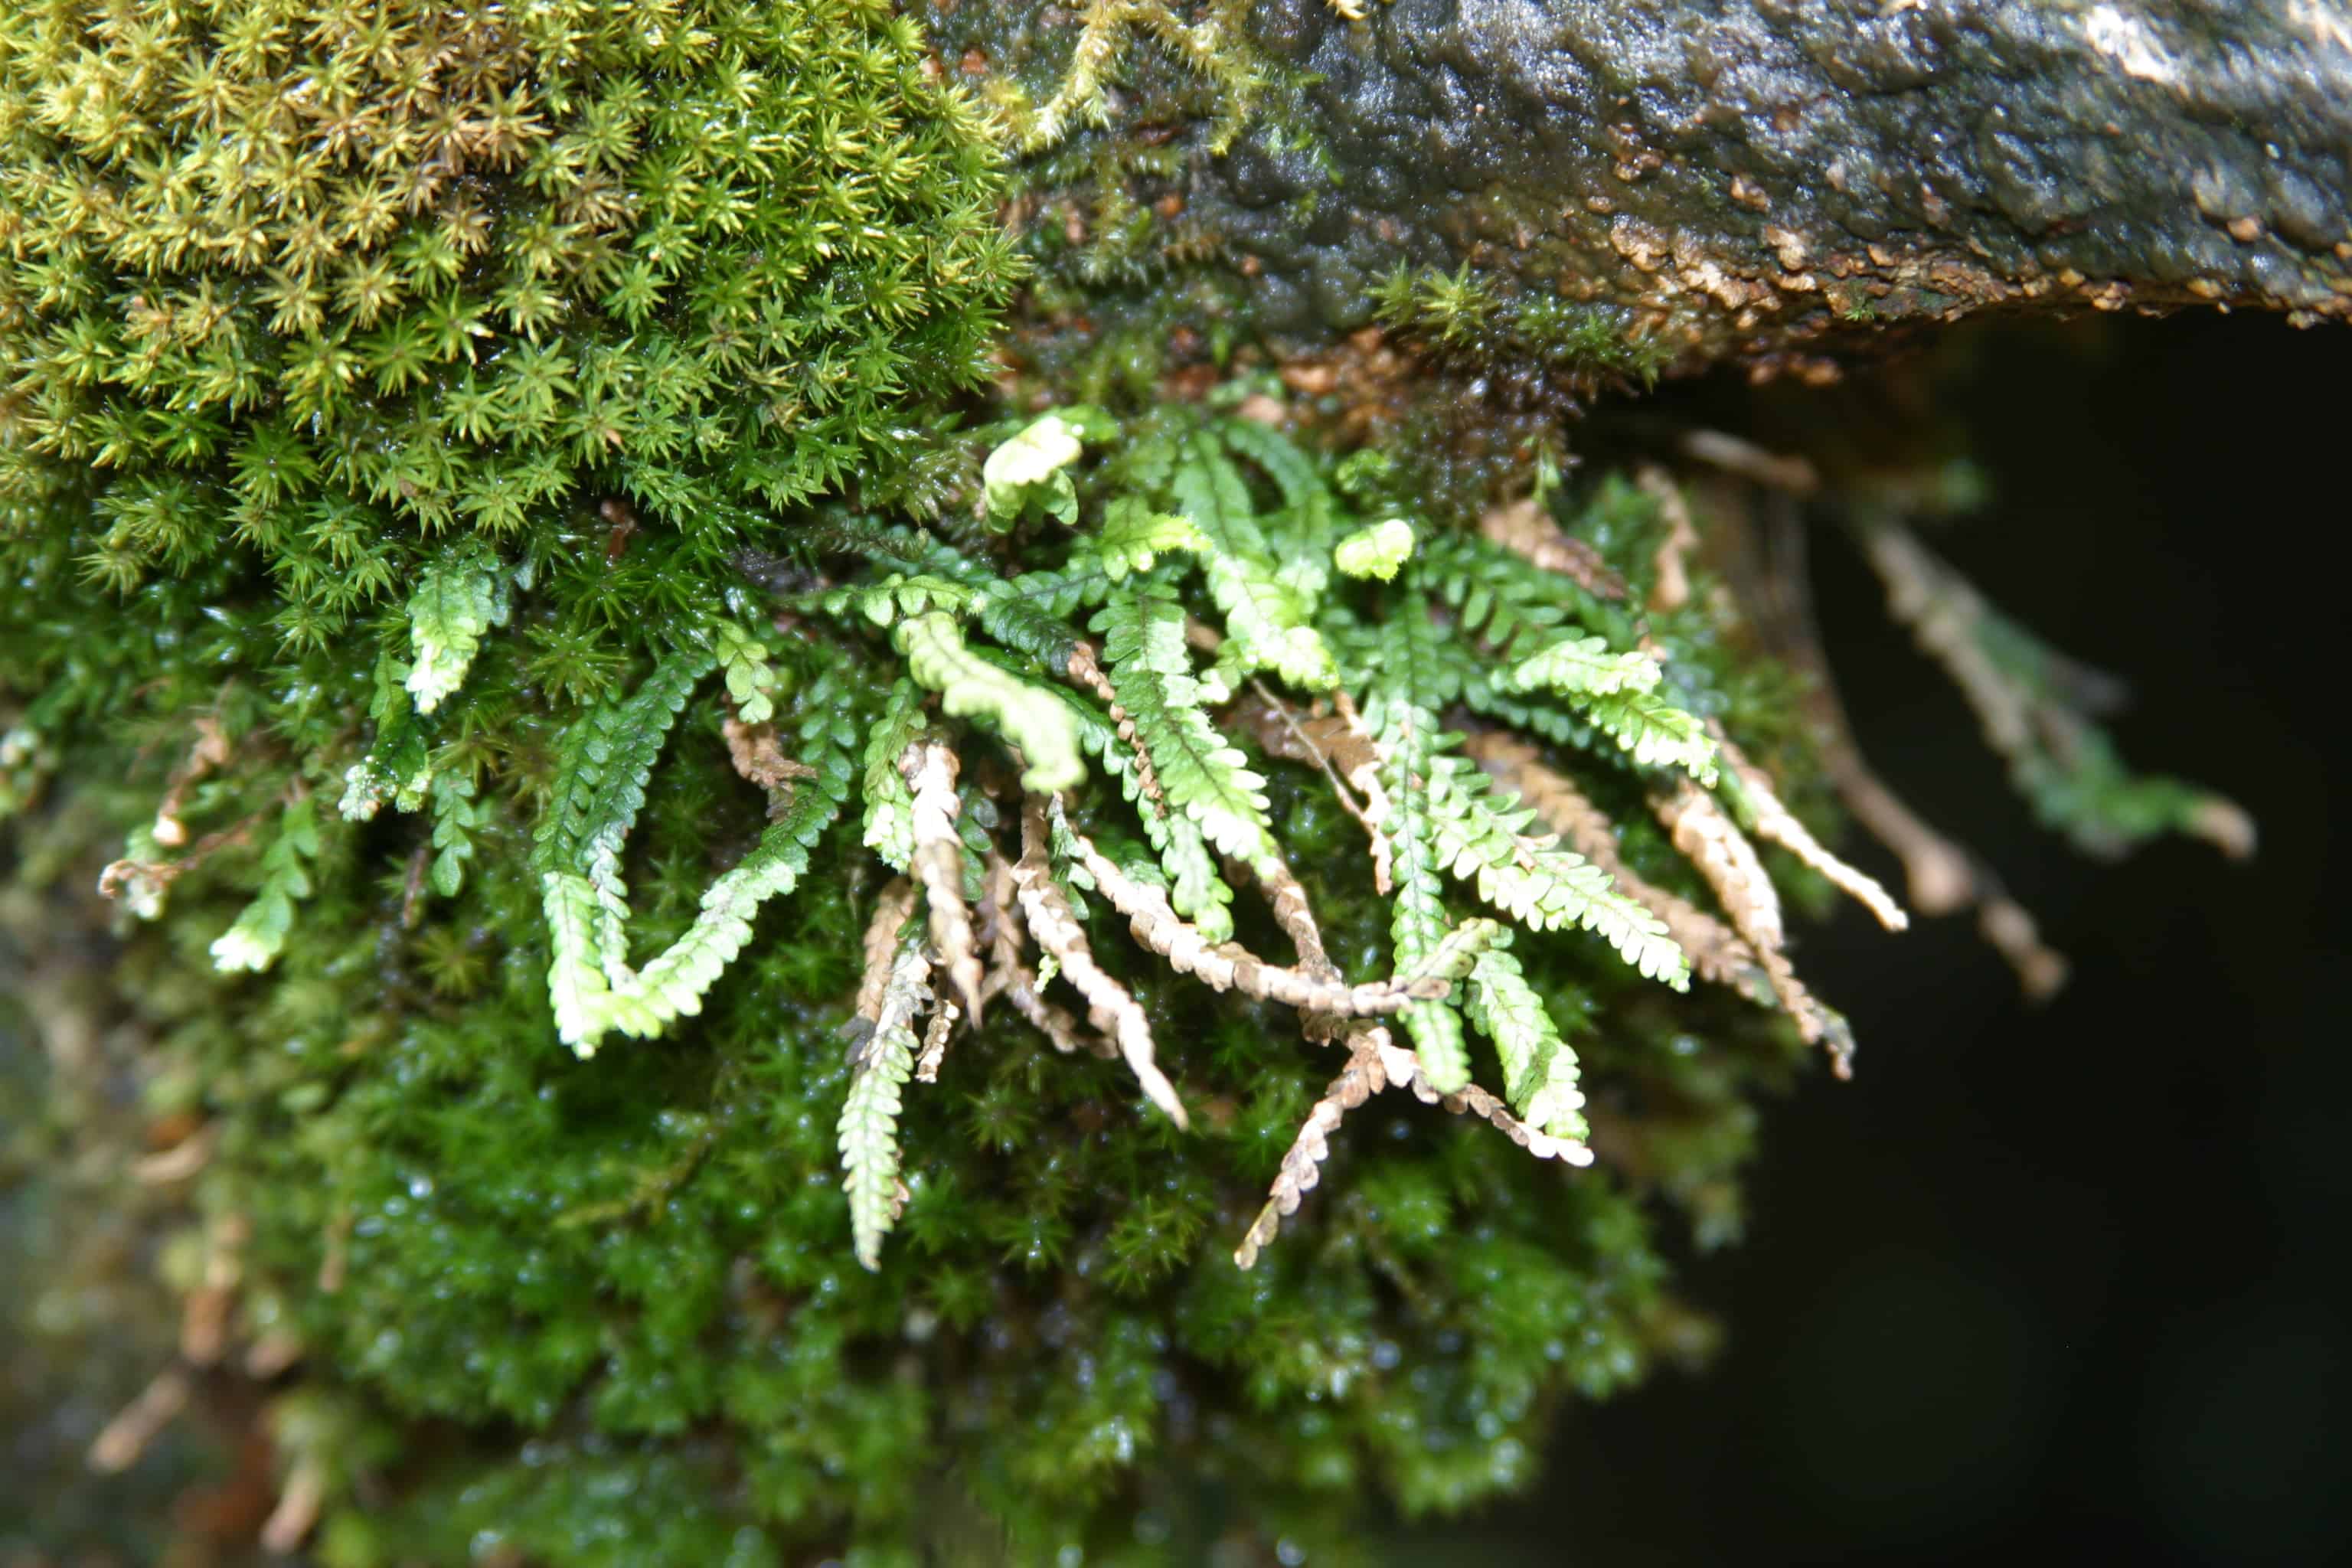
(324, 281)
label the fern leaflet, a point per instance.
(1544, 886)
(969, 687)
(890, 805)
(461, 595)
(1540, 1069)
(258, 934)
(1406, 727)
(1267, 619)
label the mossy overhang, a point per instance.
(1758, 180)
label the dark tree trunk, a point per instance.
(1752, 180)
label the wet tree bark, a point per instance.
(1758, 180)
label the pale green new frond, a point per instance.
(461, 595)
(1133, 537)
(969, 686)
(1028, 470)
(1484, 841)
(1406, 727)
(1579, 666)
(258, 934)
(889, 804)
(577, 990)
(1266, 618)
(1378, 551)
(590, 984)
(395, 768)
(1540, 1069)
(603, 763)
(673, 985)
(1655, 732)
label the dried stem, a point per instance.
(1110, 1006)
(1227, 966)
(1526, 529)
(1009, 974)
(1671, 585)
(931, 768)
(1362, 1078)
(120, 1442)
(1085, 671)
(1776, 823)
(1713, 842)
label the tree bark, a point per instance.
(1752, 180)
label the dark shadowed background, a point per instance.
(2062, 1278)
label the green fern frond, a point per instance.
(751, 681)
(897, 595)
(890, 805)
(1484, 841)
(973, 688)
(1580, 667)
(460, 593)
(1540, 1069)
(457, 816)
(1405, 724)
(258, 934)
(1655, 731)
(1267, 619)
(1133, 537)
(1202, 773)
(1210, 797)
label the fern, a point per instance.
(1532, 878)
(1031, 613)
(460, 593)
(889, 806)
(258, 934)
(1406, 726)
(1540, 1069)
(972, 687)
(1028, 473)
(1582, 667)
(1267, 619)
(1203, 774)
(1208, 792)
(603, 763)
(899, 596)
(1133, 537)
(1655, 731)
(1498, 598)
(1378, 551)
(868, 1133)
(751, 680)
(457, 815)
